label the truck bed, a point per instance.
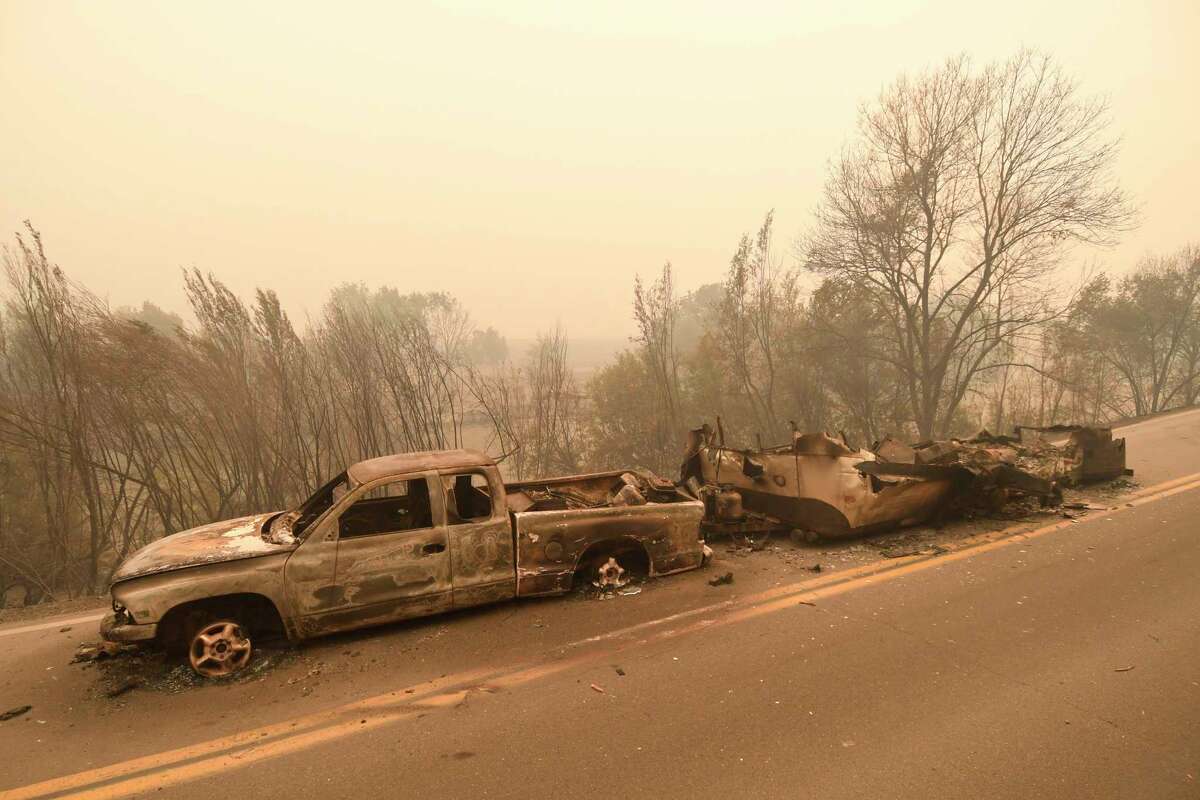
(557, 520)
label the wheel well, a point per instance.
(630, 552)
(255, 611)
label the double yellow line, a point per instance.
(217, 756)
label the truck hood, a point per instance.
(228, 540)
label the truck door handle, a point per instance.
(433, 547)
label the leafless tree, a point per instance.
(759, 301)
(46, 404)
(502, 394)
(1146, 328)
(554, 438)
(953, 206)
(655, 310)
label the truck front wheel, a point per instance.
(219, 648)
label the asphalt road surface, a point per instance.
(1063, 660)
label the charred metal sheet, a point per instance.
(1100, 456)
(1089, 453)
(819, 444)
(816, 484)
(894, 451)
(228, 540)
(991, 470)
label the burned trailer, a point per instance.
(816, 484)
(823, 486)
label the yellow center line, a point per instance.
(210, 757)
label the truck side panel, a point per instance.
(150, 597)
(550, 543)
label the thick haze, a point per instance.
(528, 157)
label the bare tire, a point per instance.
(219, 649)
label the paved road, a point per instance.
(1064, 662)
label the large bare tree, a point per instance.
(952, 208)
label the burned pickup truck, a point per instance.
(392, 538)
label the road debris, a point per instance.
(912, 550)
(1123, 669)
(594, 592)
(14, 712)
(100, 651)
(900, 552)
(722, 580)
(127, 685)
(596, 688)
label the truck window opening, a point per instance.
(468, 498)
(318, 504)
(392, 507)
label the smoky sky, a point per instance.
(530, 158)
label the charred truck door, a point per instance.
(393, 558)
(481, 538)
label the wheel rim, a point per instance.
(219, 649)
(611, 575)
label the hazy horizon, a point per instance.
(508, 158)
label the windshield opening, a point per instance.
(318, 504)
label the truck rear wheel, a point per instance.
(610, 570)
(610, 575)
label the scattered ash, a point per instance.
(122, 669)
(1108, 490)
(589, 591)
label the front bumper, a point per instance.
(118, 628)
